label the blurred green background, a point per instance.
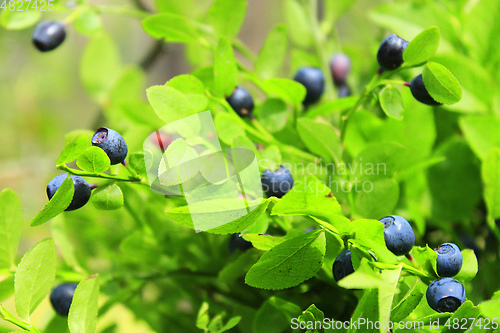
(42, 99)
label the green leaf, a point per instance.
(469, 266)
(426, 258)
(226, 17)
(491, 180)
(272, 114)
(63, 243)
(94, 160)
(481, 132)
(272, 54)
(18, 20)
(320, 138)
(136, 161)
(11, 225)
(169, 103)
(225, 70)
(107, 197)
(263, 242)
(88, 22)
(367, 308)
(275, 315)
(441, 84)
(172, 27)
(299, 25)
(311, 314)
(6, 288)
(422, 47)
(34, 277)
(203, 317)
(73, 149)
(370, 234)
(364, 277)
(286, 89)
(387, 291)
(490, 309)
(192, 88)
(375, 199)
(100, 66)
(392, 102)
(209, 213)
(83, 311)
(289, 263)
(312, 197)
(59, 202)
(408, 302)
(227, 127)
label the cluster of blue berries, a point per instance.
(113, 145)
(390, 57)
(444, 294)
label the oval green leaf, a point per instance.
(94, 160)
(34, 277)
(225, 70)
(290, 263)
(441, 84)
(83, 311)
(422, 47)
(107, 197)
(392, 102)
(59, 202)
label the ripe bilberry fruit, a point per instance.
(277, 183)
(449, 260)
(241, 101)
(390, 52)
(313, 79)
(82, 190)
(419, 91)
(398, 234)
(340, 66)
(112, 143)
(61, 298)
(445, 295)
(48, 35)
(344, 91)
(237, 242)
(342, 265)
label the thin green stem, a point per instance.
(73, 16)
(400, 82)
(76, 172)
(319, 41)
(20, 323)
(130, 170)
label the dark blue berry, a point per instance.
(48, 35)
(419, 91)
(390, 52)
(241, 101)
(237, 242)
(449, 260)
(61, 298)
(344, 91)
(313, 80)
(82, 190)
(340, 66)
(277, 183)
(398, 234)
(445, 295)
(342, 265)
(112, 143)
